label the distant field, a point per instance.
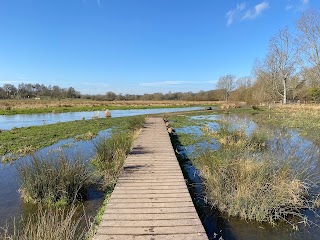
(9, 107)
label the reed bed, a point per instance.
(111, 154)
(54, 180)
(245, 180)
(48, 224)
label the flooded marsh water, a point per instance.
(8, 122)
(11, 205)
(283, 144)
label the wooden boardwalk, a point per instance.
(151, 199)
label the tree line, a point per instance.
(290, 71)
(25, 91)
(32, 91)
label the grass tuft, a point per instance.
(49, 224)
(54, 180)
(111, 153)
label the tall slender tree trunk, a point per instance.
(284, 101)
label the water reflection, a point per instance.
(282, 144)
(10, 204)
(8, 122)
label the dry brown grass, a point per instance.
(36, 104)
(298, 107)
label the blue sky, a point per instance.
(137, 46)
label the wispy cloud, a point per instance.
(256, 11)
(241, 12)
(170, 83)
(97, 1)
(163, 83)
(297, 5)
(234, 14)
(95, 84)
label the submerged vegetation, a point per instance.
(246, 176)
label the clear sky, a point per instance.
(137, 46)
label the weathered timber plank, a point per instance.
(151, 200)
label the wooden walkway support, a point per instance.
(151, 200)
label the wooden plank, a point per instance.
(151, 200)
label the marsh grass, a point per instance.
(48, 224)
(23, 141)
(264, 189)
(111, 153)
(30, 106)
(306, 119)
(230, 138)
(245, 179)
(54, 180)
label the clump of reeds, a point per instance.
(49, 224)
(54, 179)
(264, 189)
(246, 180)
(111, 153)
(135, 123)
(237, 138)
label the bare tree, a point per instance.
(281, 62)
(309, 40)
(9, 89)
(227, 84)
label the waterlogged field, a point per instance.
(31, 106)
(63, 186)
(253, 176)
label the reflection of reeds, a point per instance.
(54, 180)
(49, 224)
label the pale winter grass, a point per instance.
(54, 179)
(48, 224)
(246, 180)
(264, 189)
(35, 104)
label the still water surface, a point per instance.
(8, 122)
(284, 144)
